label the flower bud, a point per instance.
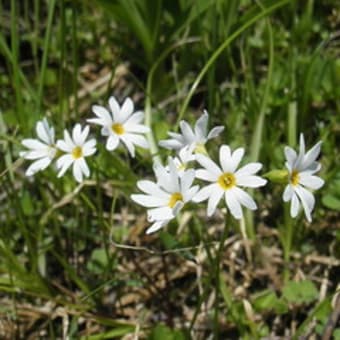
(277, 176)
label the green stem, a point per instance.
(287, 240)
(258, 132)
(222, 47)
(148, 100)
(217, 278)
(47, 41)
(15, 54)
(291, 133)
(75, 58)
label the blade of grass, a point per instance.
(268, 10)
(75, 59)
(11, 59)
(148, 100)
(15, 68)
(258, 132)
(43, 67)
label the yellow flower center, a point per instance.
(295, 177)
(200, 148)
(174, 198)
(118, 128)
(77, 152)
(226, 181)
(182, 166)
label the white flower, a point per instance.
(185, 156)
(302, 169)
(166, 197)
(42, 150)
(76, 149)
(121, 124)
(197, 137)
(226, 181)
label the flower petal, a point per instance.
(249, 169)
(290, 155)
(230, 161)
(160, 214)
(206, 175)
(125, 111)
(76, 134)
(215, 132)
(295, 205)
(204, 193)
(38, 165)
(170, 144)
(312, 182)
(136, 128)
(63, 163)
(156, 226)
(30, 155)
(186, 180)
(33, 144)
(89, 148)
(187, 132)
(164, 179)
(152, 189)
(63, 146)
(137, 140)
(102, 114)
(288, 193)
(208, 164)
(244, 198)
(201, 127)
(43, 133)
(213, 201)
(311, 156)
(83, 135)
(112, 142)
(190, 193)
(173, 172)
(135, 118)
(68, 140)
(129, 145)
(307, 199)
(250, 181)
(83, 166)
(115, 108)
(233, 204)
(149, 201)
(77, 172)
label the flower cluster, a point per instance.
(120, 124)
(176, 179)
(174, 186)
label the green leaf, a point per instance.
(300, 292)
(336, 334)
(98, 261)
(118, 332)
(331, 202)
(161, 332)
(268, 300)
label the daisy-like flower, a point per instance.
(226, 181)
(76, 149)
(167, 196)
(301, 169)
(197, 137)
(42, 150)
(121, 124)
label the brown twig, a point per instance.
(333, 319)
